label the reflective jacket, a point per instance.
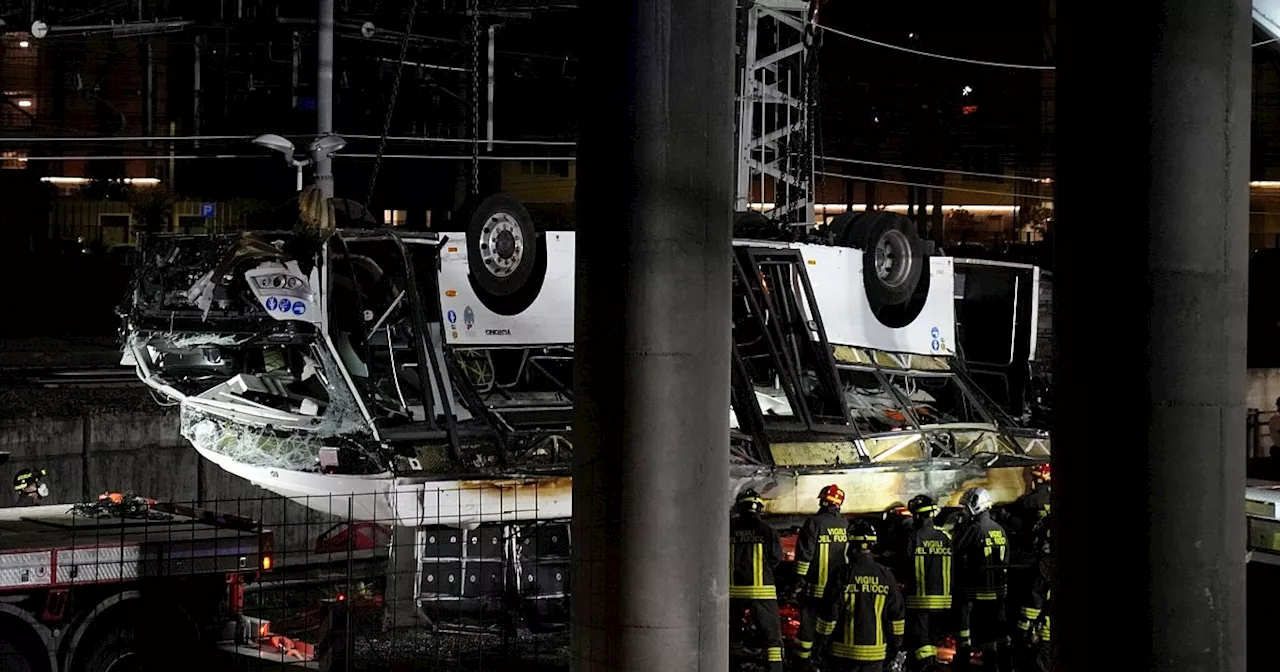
(1030, 509)
(928, 585)
(1037, 604)
(754, 552)
(982, 557)
(862, 610)
(820, 549)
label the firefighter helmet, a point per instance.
(976, 501)
(831, 495)
(896, 514)
(1041, 473)
(862, 535)
(749, 501)
(31, 478)
(922, 505)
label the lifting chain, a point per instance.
(391, 104)
(474, 9)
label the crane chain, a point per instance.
(391, 104)
(474, 9)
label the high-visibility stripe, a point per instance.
(1043, 630)
(926, 652)
(860, 652)
(774, 654)
(804, 646)
(985, 594)
(826, 627)
(824, 551)
(879, 609)
(929, 602)
(921, 588)
(804, 655)
(899, 627)
(946, 575)
(802, 568)
(754, 592)
(851, 602)
(757, 564)
(1030, 614)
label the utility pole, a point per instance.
(324, 95)
(195, 90)
(297, 62)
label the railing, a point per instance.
(279, 587)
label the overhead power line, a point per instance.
(187, 157)
(1012, 178)
(465, 141)
(926, 54)
(1005, 194)
(124, 138)
(144, 157)
(247, 138)
(455, 157)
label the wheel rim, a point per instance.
(127, 661)
(893, 258)
(501, 244)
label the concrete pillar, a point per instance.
(1149, 289)
(650, 479)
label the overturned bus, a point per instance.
(426, 378)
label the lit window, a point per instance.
(13, 159)
(24, 103)
(395, 217)
(24, 44)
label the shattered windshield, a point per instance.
(883, 402)
(373, 329)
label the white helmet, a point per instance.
(976, 500)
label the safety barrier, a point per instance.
(453, 593)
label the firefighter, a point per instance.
(981, 550)
(928, 584)
(1032, 507)
(754, 552)
(820, 555)
(862, 609)
(895, 526)
(29, 486)
(1033, 619)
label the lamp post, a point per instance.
(320, 149)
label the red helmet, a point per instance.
(897, 511)
(1040, 473)
(832, 495)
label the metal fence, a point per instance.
(180, 586)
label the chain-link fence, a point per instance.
(421, 577)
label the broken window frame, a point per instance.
(747, 262)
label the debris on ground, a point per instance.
(120, 505)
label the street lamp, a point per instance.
(320, 149)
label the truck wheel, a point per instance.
(502, 247)
(13, 659)
(115, 651)
(893, 254)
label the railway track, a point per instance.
(104, 377)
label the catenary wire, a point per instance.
(917, 52)
(1005, 194)
(1018, 178)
